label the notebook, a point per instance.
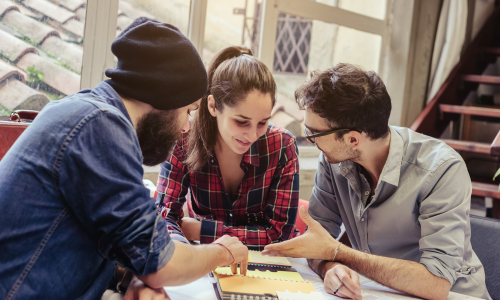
(266, 276)
(259, 284)
(256, 258)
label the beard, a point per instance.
(157, 133)
(341, 154)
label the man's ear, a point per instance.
(211, 106)
(353, 139)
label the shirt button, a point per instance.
(343, 170)
(367, 193)
(230, 215)
(362, 219)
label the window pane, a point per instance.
(40, 52)
(304, 45)
(371, 8)
(230, 23)
(175, 12)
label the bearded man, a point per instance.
(73, 202)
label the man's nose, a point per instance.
(185, 128)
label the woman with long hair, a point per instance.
(241, 173)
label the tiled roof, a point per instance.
(15, 94)
(40, 51)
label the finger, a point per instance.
(244, 266)
(355, 278)
(234, 268)
(304, 215)
(345, 292)
(283, 246)
(348, 281)
(274, 253)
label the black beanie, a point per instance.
(157, 65)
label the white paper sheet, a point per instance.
(199, 289)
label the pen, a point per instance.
(337, 289)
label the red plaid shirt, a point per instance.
(266, 202)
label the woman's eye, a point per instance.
(241, 122)
(262, 123)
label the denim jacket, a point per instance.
(73, 202)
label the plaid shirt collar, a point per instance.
(251, 157)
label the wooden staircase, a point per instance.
(447, 105)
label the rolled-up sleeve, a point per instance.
(444, 219)
(323, 205)
(99, 173)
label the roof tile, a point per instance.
(13, 48)
(133, 11)
(123, 22)
(80, 13)
(75, 27)
(50, 10)
(57, 77)
(15, 94)
(29, 27)
(67, 53)
(71, 5)
(7, 71)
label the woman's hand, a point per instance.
(191, 228)
(137, 290)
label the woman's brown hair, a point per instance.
(232, 74)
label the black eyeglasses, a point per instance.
(312, 136)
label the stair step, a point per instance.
(470, 110)
(486, 79)
(468, 146)
(495, 146)
(485, 190)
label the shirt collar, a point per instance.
(107, 93)
(392, 167)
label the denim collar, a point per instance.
(108, 94)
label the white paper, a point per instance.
(299, 296)
(199, 289)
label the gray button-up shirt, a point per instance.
(419, 212)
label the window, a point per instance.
(40, 53)
(230, 23)
(175, 12)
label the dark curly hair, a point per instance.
(349, 97)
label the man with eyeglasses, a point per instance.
(403, 197)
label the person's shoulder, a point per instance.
(426, 152)
(82, 107)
